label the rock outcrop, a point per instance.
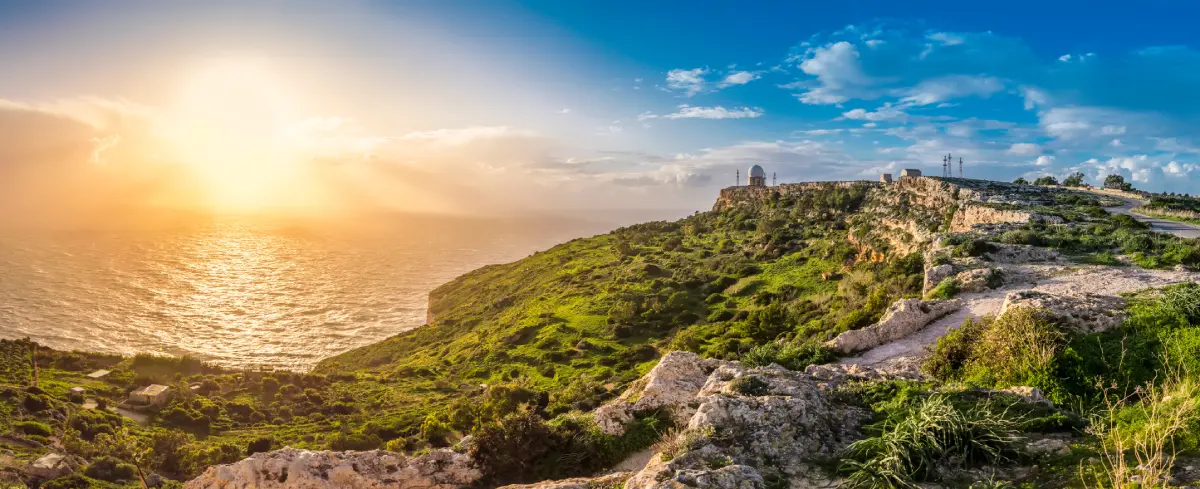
(1082, 312)
(670, 385)
(902, 318)
(1006, 253)
(969, 216)
(54, 465)
(979, 279)
(304, 469)
(753, 426)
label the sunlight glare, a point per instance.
(230, 127)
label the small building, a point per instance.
(77, 391)
(885, 177)
(757, 177)
(99, 374)
(153, 394)
(910, 172)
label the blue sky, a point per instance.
(590, 104)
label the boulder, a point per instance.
(1028, 394)
(670, 385)
(53, 466)
(787, 428)
(1082, 312)
(935, 275)
(902, 318)
(1048, 446)
(377, 469)
(979, 279)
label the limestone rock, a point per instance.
(902, 318)
(971, 215)
(672, 384)
(785, 430)
(1083, 312)
(1028, 394)
(935, 275)
(53, 466)
(979, 279)
(1007, 253)
(305, 469)
(603, 482)
(1048, 446)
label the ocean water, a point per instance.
(245, 293)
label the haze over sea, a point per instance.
(247, 292)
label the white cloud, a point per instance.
(874, 43)
(690, 81)
(946, 38)
(1044, 160)
(836, 67)
(738, 78)
(870, 124)
(884, 113)
(564, 111)
(718, 112)
(951, 87)
(1024, 149)
(646, 115)
(1116, 143)
(821, 132)
(1112, 130)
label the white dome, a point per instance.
(757, 171)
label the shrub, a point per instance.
(931, 436)
(33, 428)
(354, 441)
(110, 469)
(1014, 348)
(952, 351)
(259, 445)
(1141, 452)
(791, 356)
(946, 289)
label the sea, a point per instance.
(251, 293)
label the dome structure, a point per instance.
(757, 177)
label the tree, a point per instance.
(1046, 180)
(1021, 181)
(1075, 180)
(1118, 182)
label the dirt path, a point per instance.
(1051, 279)
(1181, 229)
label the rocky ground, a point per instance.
(1059, 284)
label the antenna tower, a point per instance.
(960, 173)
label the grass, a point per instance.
(930, 436)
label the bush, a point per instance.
(927, 438)
(110, 469)
(260, 445)
(946, 289)
(791, 356)
(354, 441)
(952, 351)
(33, 428)
(1014, 348)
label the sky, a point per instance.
(504, 107)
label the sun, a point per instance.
(230, 128)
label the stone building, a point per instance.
(885, 177)
(151, 395)
(910, 172)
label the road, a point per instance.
(1181, 229)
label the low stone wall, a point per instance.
(902, 318)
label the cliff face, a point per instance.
(737, 196)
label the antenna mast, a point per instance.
(737, 177)
(960, 173)
(772, 179)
